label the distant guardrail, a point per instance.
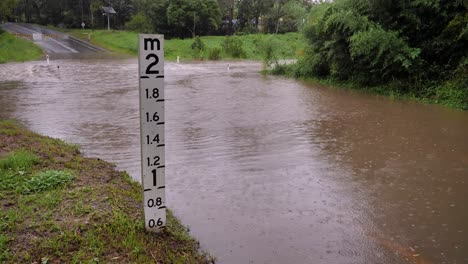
(40, 36)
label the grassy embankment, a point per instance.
(14, 48)
(289, 45)
(446, 93)
(60, 207)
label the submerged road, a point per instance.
(51, 41)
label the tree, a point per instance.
(94, 6)
(193, 16)
(124, 10)
(139, 23)
(6, 8)
(250, 12)
(227, 8)
(377, 41)
(288, 14)
(156, 12)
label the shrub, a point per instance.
(18, 160)
(268, 48)
(9, 180)
(233, 46)
(47, 180)
(198, 44)
(139, 23)
(214, 54)
(198, 48)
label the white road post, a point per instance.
(152, 118)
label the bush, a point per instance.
(233, 46)
(139, 23)
(269, 51)
(198, 48)
(198, 44)
(9, 180)
(214, 54)
(18, 160)
(47, 180)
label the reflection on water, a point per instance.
(267, 170)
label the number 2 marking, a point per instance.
(156, 60)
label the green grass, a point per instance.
(47, 180)
(18, 160)
(14, 48)
(451, 93)
(290, 45)
(60, 207)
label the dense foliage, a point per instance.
(6, 8)
(180, 18)
(414, 45)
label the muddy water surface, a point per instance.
(268, 170)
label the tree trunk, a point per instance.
(194, 25)
(277, 26)
(231, 17)
(92, 18)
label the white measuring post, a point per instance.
(151, 73)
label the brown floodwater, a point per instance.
(266, 169)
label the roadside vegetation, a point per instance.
(60, 207)
(14, 48)
(415, 49)
(249, 46)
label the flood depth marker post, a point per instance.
(151, 73)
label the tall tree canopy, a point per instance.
(171, 17)
(6, 8)
(193, 16)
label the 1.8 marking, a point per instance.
(154, 93)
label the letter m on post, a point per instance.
(150, 42)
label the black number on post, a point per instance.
(152, 223)
(155, 139)
(153, 203)
(155, 93)
(154, 177)
(155, 163)
(156, 60)
(155, 117)
(158, 201)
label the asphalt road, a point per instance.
(51, 41)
